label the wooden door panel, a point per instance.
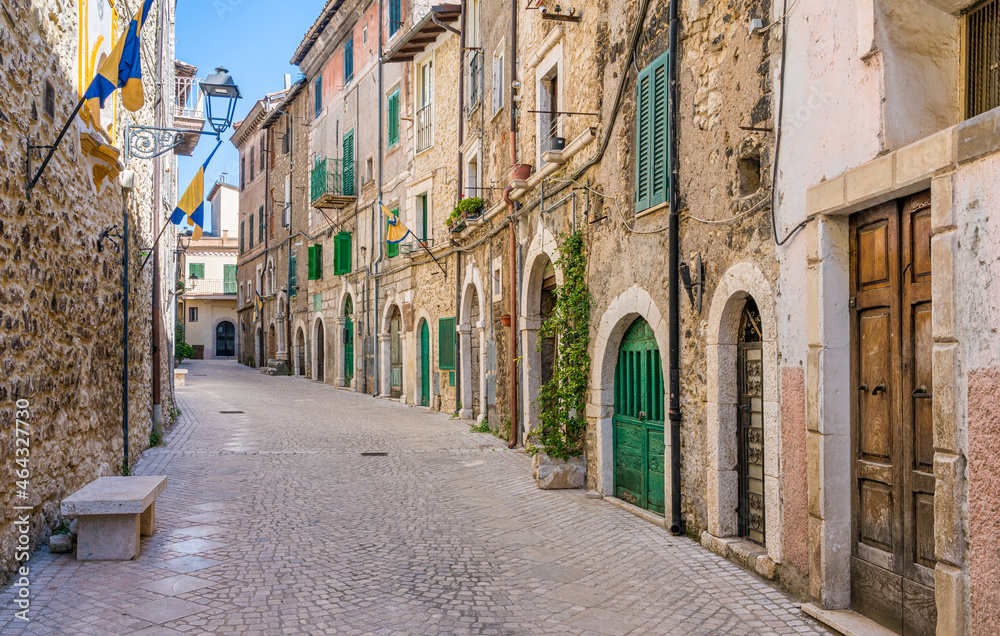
(877, 593)
(921, 394)
(923, 529)
(919, 609)
(875, 424)
(655, 486)
(876, 514)
(873, 255)
(920, 246)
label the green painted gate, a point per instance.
(638, 420)
(425, 364)
(348, 342)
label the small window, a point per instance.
(318, 91)
(498, 75)
(253, 163)
(446, 343)
(293, 273)
(393, 113)
(349, 61)
(243, 173)
(262, 153)
(192, 314)
(260, 224)
(364, 34)
(395, 19)
(243, 231)
(983, 56)
(196, 271)
(498, 279)
(50, 100)
(251, 231)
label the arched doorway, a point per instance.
(395, 354)
(475, 357)
(225, 340)
(320, 352)
(272, 343)
(348, 341)
(425, 364)
(546, 304)
(750, 425)
(300, 353)
(638, 420)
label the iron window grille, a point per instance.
(983, 58)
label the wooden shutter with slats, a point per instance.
(652, 160)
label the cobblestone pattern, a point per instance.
(273, 522)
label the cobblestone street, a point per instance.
(275, 521)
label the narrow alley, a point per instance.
(296, 508)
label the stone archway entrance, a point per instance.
(638, 420)
(750, 425)
(395, 354)
(425, 364)
(225, 340)
(320, 352)
(300, 353)
(348, 341)
(261, 349)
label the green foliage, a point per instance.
(63, 527)
(472, 205)
(155, 439)
(183, 351)
(483, 427)
(562, 400)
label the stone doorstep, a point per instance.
(749, 555)
(846, 622)
(637, 511)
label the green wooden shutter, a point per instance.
(393, 118)
(446, 343)
(251, 230)
(391, 249)
(348, 163)
(196, 270)
(229, 279)
(243, 231)
(260, 224)
(652, 169)
(312, 262)
(293, 274)
(342, 254)
(319, 261)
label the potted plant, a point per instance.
(522, 171)
(455, 222)
(471, 208)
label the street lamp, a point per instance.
(221, 93)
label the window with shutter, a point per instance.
(395, 19)
(318, 94)
(229, 279)
(319, 261)
(293, 274)
(260, 216)
(349, 61)
(243, 231)
(342, 254)
(196, 270)
(652, 134)
(251, 231)
(393, 118)
(349, 163)
(391, 249)
(253, 163)
(446, 343)
(312, 262)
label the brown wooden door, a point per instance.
(892, 565)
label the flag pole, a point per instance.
(33, 181)
(424, 245)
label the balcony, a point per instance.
(412, 247)
(210, 287)
(189, 112)
(425, 128)
(333, 183)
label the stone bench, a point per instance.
(112, 512)
(180, 378)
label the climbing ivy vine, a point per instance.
(562, 400)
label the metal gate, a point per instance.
(348, 342)
(750, 434)
(638, 420)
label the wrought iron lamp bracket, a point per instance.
(147, 142)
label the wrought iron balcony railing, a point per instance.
(209, 286)
(333, 183)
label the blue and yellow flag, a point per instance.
(258, 307)
(122, 69)
(397, 231)
(191, 207)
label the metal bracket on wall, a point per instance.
(695, 286)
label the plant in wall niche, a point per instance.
(562, 400)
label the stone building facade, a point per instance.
(61, 287)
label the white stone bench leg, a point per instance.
(147, 520)
(108, 537)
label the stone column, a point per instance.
(383, 353)
(339, 356)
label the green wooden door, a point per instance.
(348, 342)
(638, 420)
(395, 356)
(425, 364)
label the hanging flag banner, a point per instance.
(258, 307)
(191, 207)
(122, 69)
(397, 230)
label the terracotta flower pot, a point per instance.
(505, 320)
(522, 171)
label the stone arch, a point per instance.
(272, 340)
(633, 303)
(542, 251)
(283, 323)
(472, 343)
(319, 347)
(346, 292)
(421, 316)
(214, 335)
(389, 311)
(259, 348)
(741, 281)
(269, 272)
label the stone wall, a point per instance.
(60, 297)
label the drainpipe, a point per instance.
(458, 198)
(377, 212)
(157, 310)
(673, 267)
(514, 404)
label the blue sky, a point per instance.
(254, 39)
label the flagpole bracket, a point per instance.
(147, 142)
